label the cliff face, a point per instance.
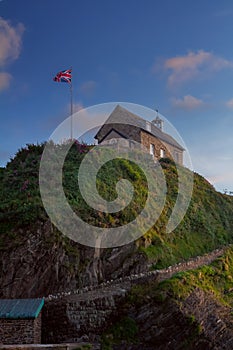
(199, 322)
(191, 310)
(213, 317)
(39, 262)
(150, 310)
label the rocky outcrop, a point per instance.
(214, 318)
(38, 261)
(148, 275)
(198, 322)
(69, 316)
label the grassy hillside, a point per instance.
(191, 310)
(208, 222)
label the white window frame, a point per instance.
(162, 153)
(152, 150)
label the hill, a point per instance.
(33, 251)
(191, 310)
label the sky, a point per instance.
(172, 55)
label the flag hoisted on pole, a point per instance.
(66, 77)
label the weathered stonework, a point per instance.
(168, 150)
(64, 346)
(148, 139)
(71, 318)
(68, 317)
(20, 331)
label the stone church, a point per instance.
(129, 126)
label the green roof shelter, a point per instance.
(20, 321)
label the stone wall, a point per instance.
(78, 318)
(111, 132)
(148, 139)
(37, 329)
(63, 346)
(21, 331)
(169, 150)
(83, 314)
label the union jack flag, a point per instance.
(64, 76)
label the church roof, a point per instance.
(122, 115)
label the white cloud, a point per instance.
(77, 107)
(229, 103)
(204, 163)
(223, 13)
(10, 41)
(5, 79)
(188, 102)
(88, 87)
(193, 65)
(10, 48)
(221, 178)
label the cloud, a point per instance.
(188, 102)
(223, 13)
(77, 107)
(193, 65)
(10, 41)
(88, 87)
(5, 79)
(10, 48)
(222, 179)
(229, 103)
(220, 175)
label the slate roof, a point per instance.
(20, 308)
(120, 114)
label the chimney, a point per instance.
(148, 126)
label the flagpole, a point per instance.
(71, 111)
(66, 76)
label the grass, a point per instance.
(215, 278)
(208, 223)
(124, 330)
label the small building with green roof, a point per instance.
(20, 321)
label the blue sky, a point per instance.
(174, 55)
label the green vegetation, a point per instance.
(124, 329)
(19, 192)
(84, 347)
(207, 224)
(216, 278)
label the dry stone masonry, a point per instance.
(70, 316)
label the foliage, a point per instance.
(215, 278)
(207, 224)
(125, 329)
